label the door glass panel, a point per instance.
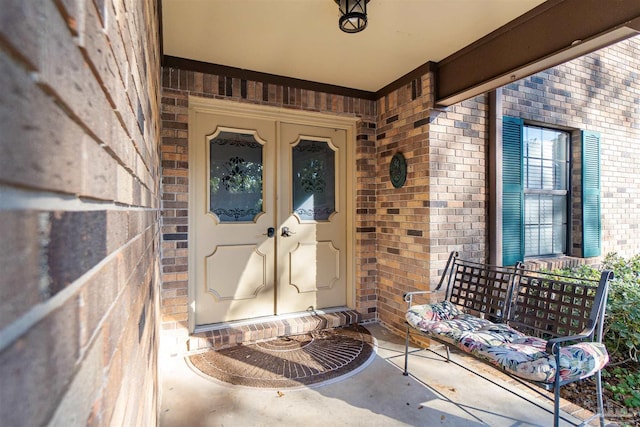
(313, 180)
(235, 177)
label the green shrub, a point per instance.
(622, 321)
(626, 387)
(622, 326)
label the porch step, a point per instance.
(232, 334)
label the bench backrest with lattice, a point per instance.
(479, 288)
(550, 305)
(536, 303)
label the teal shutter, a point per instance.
(512, 191)
(591, 226)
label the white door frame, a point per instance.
(225, 107)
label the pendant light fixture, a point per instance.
(353, 15)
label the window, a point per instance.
(546, 185)
(536, 215)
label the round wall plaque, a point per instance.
(398, 170)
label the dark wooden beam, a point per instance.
(240, 73)
(550, 34)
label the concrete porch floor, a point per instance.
(463, 393)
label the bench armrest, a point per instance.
(408, 296)
(553, 345)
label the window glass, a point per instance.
(546, 183)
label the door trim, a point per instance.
(225, 107)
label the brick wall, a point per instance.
(599, 92)
(79, 212)
(403, 251)
(442, 206)
(177, 85)
(80, 193)
(404, 235)
(459, 183)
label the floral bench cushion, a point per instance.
(432, 312)
(446, 321)
(527, 358)
(443, 319)
(503, 346)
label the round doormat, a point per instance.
(291, 361)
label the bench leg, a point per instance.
(556, 404)
(406, 354)
(599, 392)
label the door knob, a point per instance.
(286, 232)
(271, 232)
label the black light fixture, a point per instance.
(353, 17)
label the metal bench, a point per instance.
(524, 322)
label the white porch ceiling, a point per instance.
(301, 38)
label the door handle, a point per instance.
(286, 232)
(271, 232)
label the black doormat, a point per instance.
(291, 361)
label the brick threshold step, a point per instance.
(226, 335)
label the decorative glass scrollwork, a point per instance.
(312, 176)
(235, 176)
(313, 180)
(241, 176)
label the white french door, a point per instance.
(268, 217)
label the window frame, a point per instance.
(584, 221)
(567, 193)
